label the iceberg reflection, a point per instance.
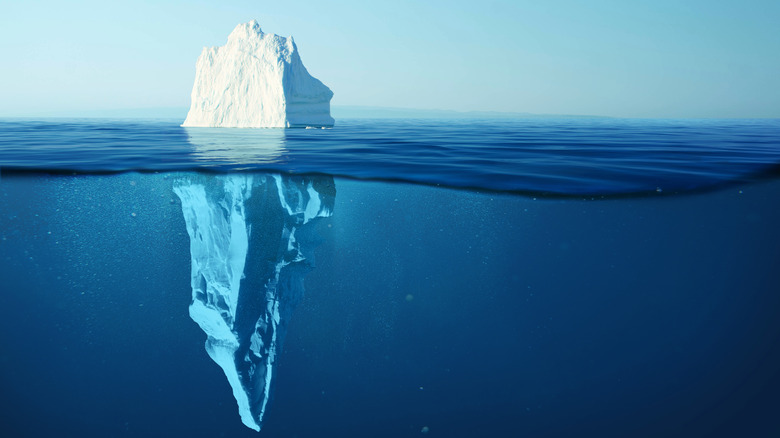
(235, 146)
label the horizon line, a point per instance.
(347, 112)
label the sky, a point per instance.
(660, 58)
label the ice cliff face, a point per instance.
(256, 80)
(248, 243)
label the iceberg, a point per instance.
(250, 249)
(256, 80)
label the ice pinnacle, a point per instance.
(256, 80)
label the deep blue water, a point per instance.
(491, 312)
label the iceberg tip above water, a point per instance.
(256, 80)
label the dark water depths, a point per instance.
(431, 311)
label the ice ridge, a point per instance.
(256, 80)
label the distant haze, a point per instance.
(658, 58)
(337, 111)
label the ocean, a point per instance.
(391, 278)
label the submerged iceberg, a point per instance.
(250, 250)
(256, 80)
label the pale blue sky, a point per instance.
(658, 58)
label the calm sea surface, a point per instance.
(556, 156)
(464, 278)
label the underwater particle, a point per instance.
(659, 190)
(409, 297)
(425, 429)
(133, 214)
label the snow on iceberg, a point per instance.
(256, 80)
(250, 251)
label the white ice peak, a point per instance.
(256, 80)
